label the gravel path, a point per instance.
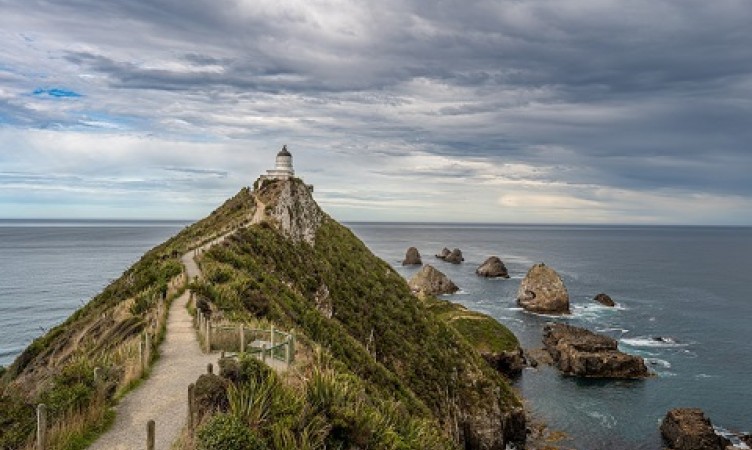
(162, 397)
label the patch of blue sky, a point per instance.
(56, 93)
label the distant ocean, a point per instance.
(688, 285)
(50, 268)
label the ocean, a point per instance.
(687, 285)
(50, 268)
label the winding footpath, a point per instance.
(164, 395)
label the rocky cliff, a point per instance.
(371, 326)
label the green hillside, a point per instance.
(376, 367)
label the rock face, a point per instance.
(604, 299)
(543, 291)
(432, 282)
(493, 267)
(454, 257)
(412, 257)
(580, 352)
(689, 429)
(508, 363)
(294, 211)
(443, 253)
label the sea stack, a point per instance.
(443, 253)
(543, 291)
(412, 257)
(493, 267)
(454, 257)
(604, 299)
(689, 429)
(582, 353)
(430, 281)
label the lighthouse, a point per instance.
(282, 166)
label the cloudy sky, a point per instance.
(577, 111)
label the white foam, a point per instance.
(607, 330)
(648, 341)
(658, 362)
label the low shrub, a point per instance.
(225, 432)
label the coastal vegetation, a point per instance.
(376, 366)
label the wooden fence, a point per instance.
(234, 339)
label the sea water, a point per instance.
(684, 303)
(49, 269)
(688, 286)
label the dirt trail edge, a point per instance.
(164, 395)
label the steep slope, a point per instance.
(285, 261)
(58, 367)
(354, 305)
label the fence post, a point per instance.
(208, 335)
(263, 352)
(210, 368)
(287, 352)
(147, 345)
(141, 351)
(190, 407)
(150, 435)
(96, 375)
(291, 344)
(41, 426)
(242, 338)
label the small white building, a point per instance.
(282, 169)
(282, 166)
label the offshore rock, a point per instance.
(604, 299)
(689, 429)
(493, 267)
(582, 353)
(412, 257)
(431, 281)
(443, 253)
(454, 257)
(543, 291)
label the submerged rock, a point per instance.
(543, 291)
(493, 267)
(580, 352)
(689, 429)
(604, 299)
(412, 257)
(431, 281)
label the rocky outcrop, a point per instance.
(543, 291)
(689, 429)
(454, 257)
(431, 281)
(604, 299)
(323, 301)
(443, 253)
(412, 257)
(290, 206)
(508, 363)
(493, 267)
(580, 352)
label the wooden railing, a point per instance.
(234, 339)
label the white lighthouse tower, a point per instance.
(282, 167)
(282, 170)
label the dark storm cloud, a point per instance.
(640, 95)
